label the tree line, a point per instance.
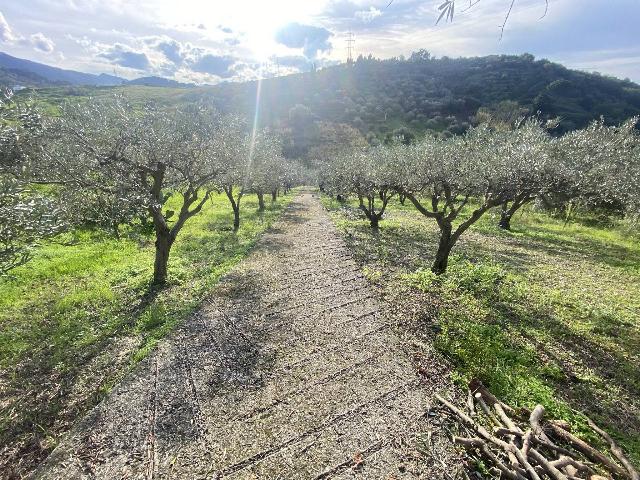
(455, 181)
(108, 164)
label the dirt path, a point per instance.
(290, 370)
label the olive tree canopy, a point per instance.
(26, 215)
(142, 157)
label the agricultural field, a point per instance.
(547, 313)
(83, 312)
(500, 262)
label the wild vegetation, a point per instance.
(411, 96)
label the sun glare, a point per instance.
(254, 22)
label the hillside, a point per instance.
(444, 95)
(11, 77)
(28, 73)
(412, 96)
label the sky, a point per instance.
(213, 41)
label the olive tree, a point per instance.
(26, 216)
(233, 154)
(146, 156)
(602, 163)
(369, 175)
(441, 176)
(530, 170)
(266, 169)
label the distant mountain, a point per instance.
(157, 82)
(19, 72)
(11, 77)
(52, 75)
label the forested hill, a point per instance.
(385, 98)
(380, 96)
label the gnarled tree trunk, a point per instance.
(163, 243)
(260, 201)
(235, 205)
(505, 217)
(445, 245)
(508, 210)
(370, 208)
(236, 218)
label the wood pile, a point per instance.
(521, 445)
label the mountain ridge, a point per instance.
(22, 68)
(20, 72)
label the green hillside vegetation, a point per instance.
(384, 98)
(443, 95)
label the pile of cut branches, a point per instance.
(522, 444)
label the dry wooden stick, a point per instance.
(504, 417)
(487, 436)
(564, 464)
(616, 450)
(534, 421)
(526, 442)
(486, 410)
(512, 426)
(468, 442)
(587, 449)
(480, 430)
(482, 445)
(525, 463)
(551, 470)
(476, 386)
(543, 443)
(470, 405)
(564, 461)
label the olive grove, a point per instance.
(455, 181)
(368, 174)
(137, 159)
(106, 163)
(26, 215)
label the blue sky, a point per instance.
(210, 41)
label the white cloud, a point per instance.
(6, 34)
(367, 15)
(168, 33)
(42, 43)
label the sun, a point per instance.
(254, 22)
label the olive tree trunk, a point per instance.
(445, 245)
(164, 242)
(235, 205)
(369, 208)
(449, 236)
(260, 201)
(509, 209)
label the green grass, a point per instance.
(547, 313)
(77, 316)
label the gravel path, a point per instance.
(290, 370)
